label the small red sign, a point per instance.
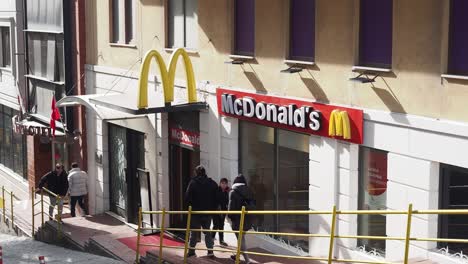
(377, 169)
(184, 137)
(300, 116)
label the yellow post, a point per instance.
(161, 235)
(187, 233)
(332, 236)
(59, 218)
(239, 238)
(408, 232)
(42, 208)
(3, 198)
(11, 205)
(32, 208)
(137, 260)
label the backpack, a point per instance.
(249, 204)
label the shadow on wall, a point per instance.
(388, 97)
(253, 77)
(314, 87)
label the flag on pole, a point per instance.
(54, 116)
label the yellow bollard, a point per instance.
(162, 236)
(137, 260)
(332, 236)
(408, 232)
(3, 198)
(32, 208)
(187, 233)
(239, 238)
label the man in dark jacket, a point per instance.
(201, 194)
(218, 220)
(57, 182)
(239, 196)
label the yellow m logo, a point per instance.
(167, 77)
(339, 124)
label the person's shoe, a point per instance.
(191, 254)
(224, 244)
(233, 257)
(210, 254)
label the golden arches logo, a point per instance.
(339, 124)
(167, 77)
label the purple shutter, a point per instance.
(302, 30)
(375, 42)
(458, 40)
(244, 27)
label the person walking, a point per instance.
(201, 194)
(240, 196)
(78, 188)
(57, 182)
(223, 200)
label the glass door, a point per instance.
(117, 170)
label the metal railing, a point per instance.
(332, 234)
(41, 212)
(3, 205)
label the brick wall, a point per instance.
(39, 159)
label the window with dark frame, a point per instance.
(302, 30)
(458, 38)
(244, 27)
(375, 33)
(5, 47)
(372, 195)
(121, 21)
(182, 24)
(453, 188)
(12, 146)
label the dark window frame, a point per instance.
(369, 59)
(451, 54)
(250, 51)
(292, 56)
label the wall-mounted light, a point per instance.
(235, 62)
(363, 78)
(292, 69)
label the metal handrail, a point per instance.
(42, 213)
(334, 213)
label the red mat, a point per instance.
(131, 242)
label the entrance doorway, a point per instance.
(182, 163)
(126, 160)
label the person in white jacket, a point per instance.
(78, 188)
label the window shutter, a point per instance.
(244, 31)
(302, 30)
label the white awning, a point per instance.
(104, 113)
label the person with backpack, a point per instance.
(241, 196)
(201, 194)
(223, 200)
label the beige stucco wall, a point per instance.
(414, 86)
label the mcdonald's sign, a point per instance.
(301, 116)
(167, 77)
(339, 124)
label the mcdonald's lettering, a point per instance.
(301, 116)
(167, 76)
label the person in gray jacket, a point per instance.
(78, 188)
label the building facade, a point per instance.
(397, 68)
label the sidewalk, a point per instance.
(22, 250)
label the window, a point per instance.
(244, 27)
(122, 20)
(12, 145)
(375, 40)
(5, 51)
(183, 24)
(302, 30)
(45, 54)
(372, 196)
(453, 189)
(458, 38)
(275, 163)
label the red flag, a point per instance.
(54, 116)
